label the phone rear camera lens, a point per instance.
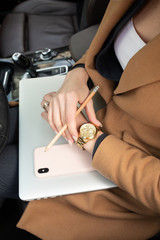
(43, 170)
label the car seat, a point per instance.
(92, 14)
(38, 24)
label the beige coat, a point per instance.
(129, 156)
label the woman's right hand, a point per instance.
(63, 104)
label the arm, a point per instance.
(132, 169)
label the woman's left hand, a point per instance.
(80, 119)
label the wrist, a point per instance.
(89, 146)
(80, 73)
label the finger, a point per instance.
(71, 108)
(48, 97)
(55, 115)
(91, 113)
(45, 100)
(50, 117)
(80, 119)
(62, 103)
(61, 99)
(52, 94)
(44, 115)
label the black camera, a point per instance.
(43, 170)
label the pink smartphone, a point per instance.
(61, 160)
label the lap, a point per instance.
(107, 214)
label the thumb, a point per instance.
(91, 113)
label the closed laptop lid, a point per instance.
(35, 132)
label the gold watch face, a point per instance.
(88, 131)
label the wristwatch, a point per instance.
(87, 132)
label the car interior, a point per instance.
(40, 38)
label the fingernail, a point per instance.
(70, 143)
(100, 124)
(75, 139)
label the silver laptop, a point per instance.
(35, 132)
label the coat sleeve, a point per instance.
(133, 170)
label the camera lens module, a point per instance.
(43, 170)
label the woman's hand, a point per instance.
(63, 104)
